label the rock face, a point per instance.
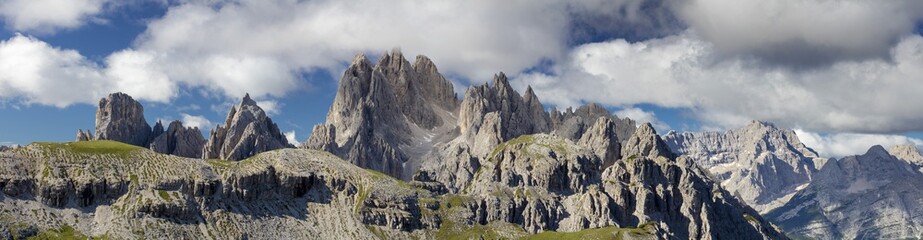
(121, 118)
(396, 118)
(909, 154)
(760, 163)
(869, 196)
(545, 182)
(572, 124)
(131, 192)
(246, 132)
(515, 115)
(178, 140)
(386, 116)
(84, 136)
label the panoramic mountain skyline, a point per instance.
(844, 74)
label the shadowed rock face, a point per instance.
(121, 118)
(178, 140)
(246, 132)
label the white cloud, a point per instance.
(846, 144)
(45, 16)
(37, 73)
(34, 72)
(684, 71)
(197, 121)
(802, 32)
(472, 39)
(271, 107)
(136, 74)
(290, 136)
(640, 116)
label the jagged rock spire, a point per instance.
(179, 140)
(247, 131)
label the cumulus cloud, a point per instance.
(641, 116)
(684, 71)
(290, 136)
(846, 144)
(196, 121)
(471, 39)
(271, 107)
(34, 72)
(230, 48)
(46, 16)
(802, 33)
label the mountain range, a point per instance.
(401, 156)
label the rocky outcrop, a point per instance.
(573, 124)
(869, 196)
(84, 136)
(908, 153)
(516, 115)
(246, 132)
(545, 182)
(760, 163)
(602, 139)
(287, 194)
(178, 140)
(121, 118)
(387, 116)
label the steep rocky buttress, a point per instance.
(121, 118)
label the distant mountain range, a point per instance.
(401, 156)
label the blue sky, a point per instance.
(684, 67)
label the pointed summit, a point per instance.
(646, 143)
(247, 101)
(501, 83)
(877, 150)
(246, 132)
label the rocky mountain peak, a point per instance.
(646, 143)
(179, 140)
(388, 115)
(501, 85)
(759, 162)
(247, 101)
(84, 135)
(757, 124)
(908, 153)
(247, 131)
(572, 124)
(877, 151)
(423, 64)
(602, 138)
(120, 118)
(875, 197)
